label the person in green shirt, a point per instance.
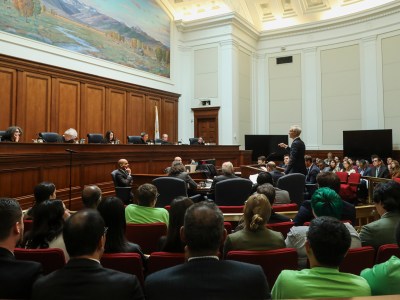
(384, 278)
(328, 241)
(146, 212)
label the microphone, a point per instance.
(71, 151)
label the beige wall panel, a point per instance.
(341, 83)
(206, 85)
(348, 108)
(333, 133)
(206, 73)
(337, 60)
(285, 88)
(285, 70)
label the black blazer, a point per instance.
(208, 278)
(123, 179)
(86, 279)
(382, 173)
(296, 160)
(311, 176)
(17, 276)
(220, 178)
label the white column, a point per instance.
(260, 95)
(311, 106)
(371, 108)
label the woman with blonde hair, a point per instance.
(255, 235)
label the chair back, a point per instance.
(285, 207)
(192, 140)
(94, 138)
(124, 193)
(130, 263)
(342, 176)
(233, 191)
(133, 139)
(50, 137)
(169, 188)
(114, 176)
(28, 224)
(357, 259)
(397, 179)
(162, 260)
(228, 227)
(2, 133)
(294, 183)
(51, 258)
(354, 179)
(147, 236)
(387, 251)
(231, 209)
(158, 141)
(272, 261)
(282, 227)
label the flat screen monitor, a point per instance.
(266, 145)
(359, 144)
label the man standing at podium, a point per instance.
(297, 151)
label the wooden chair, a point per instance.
(51, 258)
(146, 235)
(357, 259)
(387, 251)
(162, 260)
(272, 261)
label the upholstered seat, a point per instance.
(132, 139)
(94, 138)
(50, 137)
(169, 188)
(51, 258)
(294, 183)
(233, 191)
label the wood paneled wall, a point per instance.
(39, 97)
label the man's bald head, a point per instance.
(91, 196)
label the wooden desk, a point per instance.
(23, 165)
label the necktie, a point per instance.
(377, 172)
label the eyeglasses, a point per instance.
(105, 230)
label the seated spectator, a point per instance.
(172, 241)
(285, 163)
(228, 172)
(328, 158)
(312, 170)
(261, 162)
(91, 196)
(124, 177)
(324, 202)
(16, 276)
(112, 210)
(70, 136)
(41, 192)
(145, 211)
(254, 235)
(204, 276)
(347, 167)
(270, 192)
(177, 159)
(178, 170)
(109, 138)
(48, 222)
(379, 169)
(387, 203)
(394, 169)
(364, 168)
(332, 181)
(281, 196)
(384, 278)
(13, 134)
(83, 277)
(271, 169)
(332, 167)
(322, 166)
(327, 243)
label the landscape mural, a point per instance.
(134, 33)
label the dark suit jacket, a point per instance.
(186, 177)
(86, 279)
(17, 276)
(382, 173)
(208, 278)
(305, 213)
(123, 179)
(311, 176)
(296, 160)
(276, 175)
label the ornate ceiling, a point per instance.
(267, 15)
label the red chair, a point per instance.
(387, 251)
(28, 224)
(51, 258)
(130, 263)
(283, 227)
(147, 236)
(228, 227)
(357, 259)
(162, 260)
(397, 179)
(285, 207)
(343, 177)
(231, 209)
(272, 261)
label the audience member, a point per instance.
(109, 138)
(204, 276)
(254, 235)
(327, 243)
(394, 169)
(285, 163)
(70, 136)
(387, 203)
(145, 211)
(329, 158)
(379, 169)
(172, 241)
(16, 276)
(281, 196)
(269, 191)
(364, 168)
(324, 202)
(13, 134)
(112, 210)
(384, 278)
(41, 192)
(312, 170)
(271, 169)
(83, 277)
(389, 163)
(178, 171)
(332, 181)
(91, 196)
(228, 172)
(48, 223)
(322, 166)
(297, 150)
(261, 162)
(347, 167)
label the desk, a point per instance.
(23, 165)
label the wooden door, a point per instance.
(206, 124)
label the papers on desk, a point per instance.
(253, 178)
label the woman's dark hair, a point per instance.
(176, 168)
(177, 211)
(48, 222)
(113, 212)
(43, 191)
(9, 135)
(108, 133)
(388, 194)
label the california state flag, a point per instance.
(156, 128)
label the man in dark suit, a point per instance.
(199, 141)
(83, 277)
(204, 276)
(144, 138)
(271, 169)
(312, 170)
(297, 151)
(124, 175)
(16, 276)
(379, 169)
